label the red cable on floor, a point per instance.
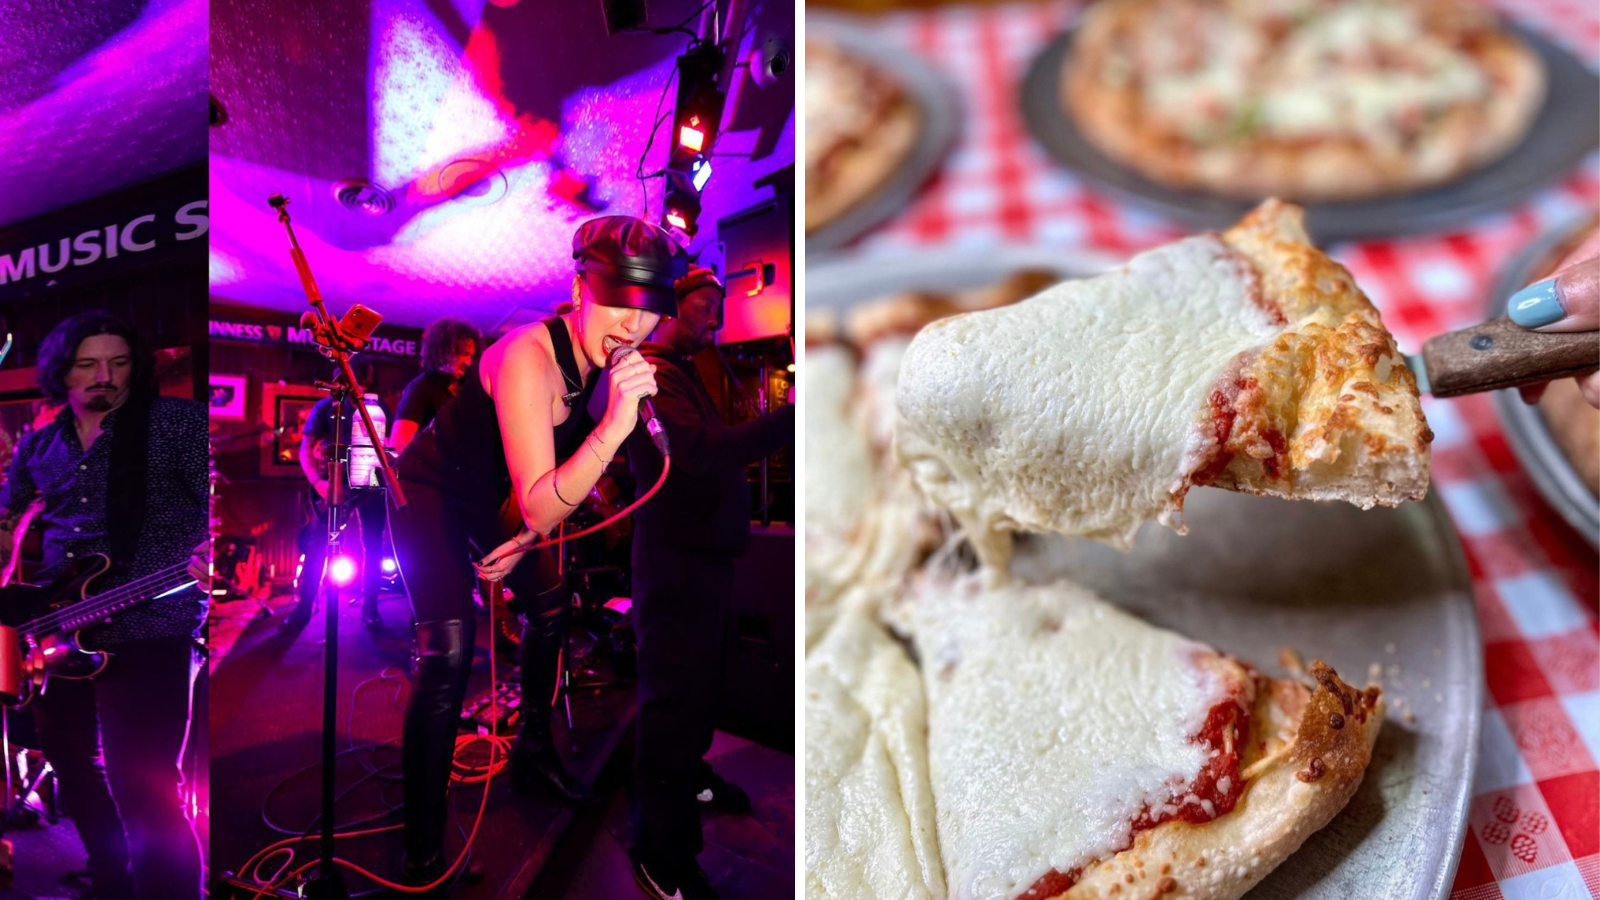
(463, 774)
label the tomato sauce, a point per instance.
(1203, 800)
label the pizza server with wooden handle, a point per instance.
(1505, 352)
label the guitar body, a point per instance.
(29, 658)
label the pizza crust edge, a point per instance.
(1285, 800)
(1328, 410)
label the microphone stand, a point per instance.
(328, 884)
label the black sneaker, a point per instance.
(672, 882)
(719, 795)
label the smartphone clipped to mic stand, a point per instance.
(338, 339)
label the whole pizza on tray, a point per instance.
(1304, 99)
(860, 126)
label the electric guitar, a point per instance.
(39, 637)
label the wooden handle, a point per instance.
(1501, 354)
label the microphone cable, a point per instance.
(666, 465)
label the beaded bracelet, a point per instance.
(602, 459)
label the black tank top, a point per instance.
(462, 450)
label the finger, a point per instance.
(639, 387)
(1568, 301)
(1591, 389)
(1589, 249)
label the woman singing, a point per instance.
(518, 435)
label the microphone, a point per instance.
(647, 410)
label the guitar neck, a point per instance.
(101, 607)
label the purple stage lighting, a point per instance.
(388, 566)
(342, 570)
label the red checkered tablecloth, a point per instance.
(1535, 817)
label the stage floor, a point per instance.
(43, 855)
(746, 857)
(265, 727)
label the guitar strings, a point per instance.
(100, 603)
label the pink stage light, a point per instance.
(342, 570)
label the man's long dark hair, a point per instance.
(128, 478)
(439, 342)
(60, 350)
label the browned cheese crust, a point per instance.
(1105, 90)
(1329, 409)
(880, 128)
(1307, 752)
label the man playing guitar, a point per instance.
(122, 472)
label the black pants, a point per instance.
(681, 600)
(116, 744)
(436, 536)
(369, 519)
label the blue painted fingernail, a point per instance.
(1536, 305)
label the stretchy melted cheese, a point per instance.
(1080, 410)
(869, 807)
(1054, 721)
(840, 458)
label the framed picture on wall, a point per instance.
(227, 400)
(284, 408)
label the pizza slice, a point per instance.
(1077, 752)
(1247, 360)
(869, 802)
(860, 125)
(839, 524)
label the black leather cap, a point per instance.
(630, 263)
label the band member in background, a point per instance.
(370, 510)
(684, 543)
(518, 435)
(448, 348)
(125, 473)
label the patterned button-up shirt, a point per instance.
(70, 482)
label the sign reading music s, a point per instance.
(136, 235)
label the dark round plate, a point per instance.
(1526, 430)
(1565, 131)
